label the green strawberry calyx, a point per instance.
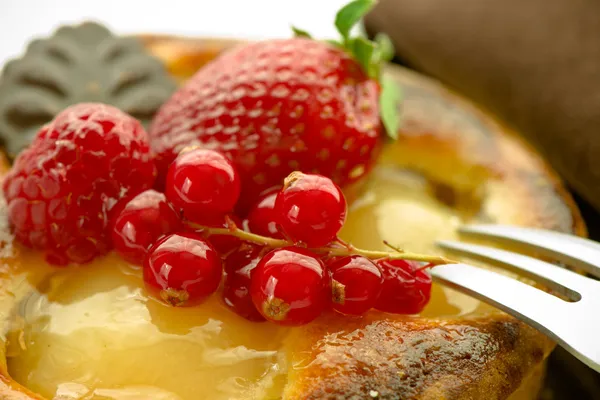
(371, 55)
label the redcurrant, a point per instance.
(262, 218)
(236, 295)
(355, 283)
(406, 287)
(236, 291)
(182, 269)
(140, 222)
(243, 259)
(311, 209)
(201, 183)
(290, 286)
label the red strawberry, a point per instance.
(281, 105)
(62, 187)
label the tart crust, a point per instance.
(471, 158)
(484, 357)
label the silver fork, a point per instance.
(573, 323)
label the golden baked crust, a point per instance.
(452, 142)
(479, 168)
(482, 357)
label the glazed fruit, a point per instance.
(290, 286)
(311, 209)
(62, 187)
(227, 140)
(182, 269)
(257, 105)
(236, 296)
(262, 218)
(140, 223)
(277, 106)
(243, 259)
(355, 283)
(406, 287)
(236, 290)
(202, 183)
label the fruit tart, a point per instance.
(190, 218)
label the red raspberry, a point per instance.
(274, 107)
(62, 187)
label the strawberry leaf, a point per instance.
(350, 14)
(385, 45)
(370, 55)
(301, 33)
(365, 53)
(335, 43)
(388, 106)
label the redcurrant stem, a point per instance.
(395, 248)
(332, 251)
(342, 243)
(424, 267)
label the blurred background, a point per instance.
(256, 19)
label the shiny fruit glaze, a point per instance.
(311, 208)
(236, 296)
(262, 216)
(140, 222)
(239, 264)
(290, 286)
(356, 284)
(76, 332)
(96, 330)
(202, 183)
(406, 287)
(182, 269)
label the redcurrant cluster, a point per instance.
(283, 262)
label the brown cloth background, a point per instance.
(534, 63)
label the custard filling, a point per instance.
(92, 332)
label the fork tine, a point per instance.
(576, 252)
(534, 306)
(562, 280)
